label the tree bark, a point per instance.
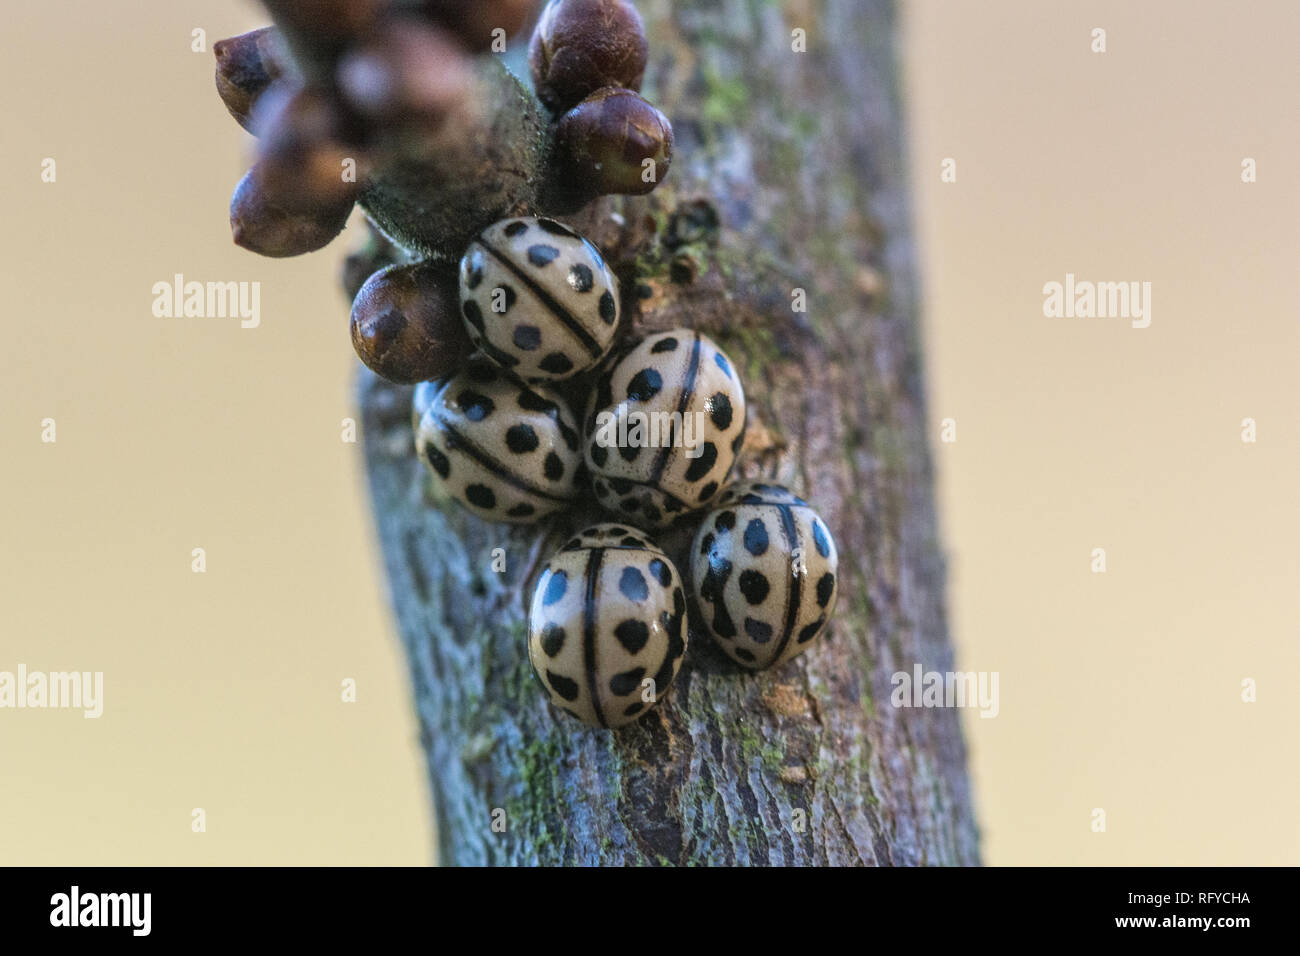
(788, 175)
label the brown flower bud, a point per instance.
(476, 21)
(305, 159)
(616, 142)
(578, 46)
(406, 323)
(246, 66)
(263, 223)
(408, 70)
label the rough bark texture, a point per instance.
(788, 175)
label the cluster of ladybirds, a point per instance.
(533, 311)
(608, 622)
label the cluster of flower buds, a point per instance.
(382, 102)
(321, 87)
(588, 58)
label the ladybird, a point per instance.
(663, 428)
(763, 567)
(538, 299)
(507, 451)
(607, 625)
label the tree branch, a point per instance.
(789, 175)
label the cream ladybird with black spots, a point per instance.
(538, 299)
(763, 566)
(672, 375)
(507, 451)
(608, 615)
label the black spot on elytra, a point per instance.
(632, 584)
(555, 588)
(527, 337)
(566, 688)
(629, 506)
(542, 255)
(645, 385)
(553, 467)
(708, 491)
(557, 363)
(581, 279)
(679, 601)
(652, 512)
(809, 632)
(516, 228)
(608, 310)
(676, 647)
(632, 634)
(820, 539)
(475, 405)
(721, 411)
(552, 639)
(758, 630)
(599, 453)
(629, 452)
(825, 587)
(621, 486)
(626, 682)
(725, 521)
(667, 344)
(521, 439)
(663, 574)
(754, 586)
(438, 460)
(633, 709)
(712, 589)
(568, 434)
(744, 655)
(701, 466)
(723, 625)
(473, 314)
(706, 542)
(756, 537)
(530, 401)
(523, 510)
(482, 496)
(631, 542)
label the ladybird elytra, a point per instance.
(538, 299)
(607, 625)
(764, 570)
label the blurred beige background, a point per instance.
(1119, 691)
